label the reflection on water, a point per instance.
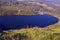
(17, 22)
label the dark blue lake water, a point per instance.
(17, 22)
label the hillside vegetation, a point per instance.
(10, 10)
(48, 33)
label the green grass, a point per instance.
(47, 33)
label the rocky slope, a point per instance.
(26, 7)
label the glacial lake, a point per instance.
(18, 22)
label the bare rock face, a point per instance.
(15, 2)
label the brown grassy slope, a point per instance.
(31, 9)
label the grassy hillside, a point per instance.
(48, 33)
(11, 10)
(29, 8)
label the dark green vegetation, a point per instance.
(49, 33)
